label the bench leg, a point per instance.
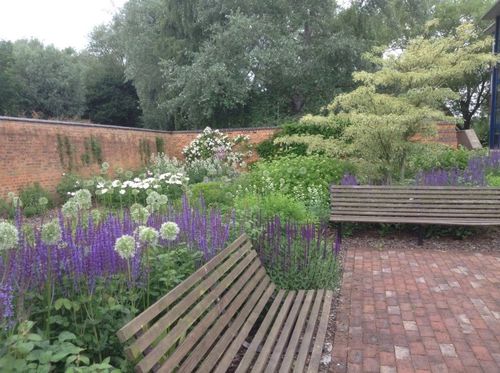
(420, 233)
(338, 239)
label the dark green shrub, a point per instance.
(251, 207)
(333, 128)
(6, 210)
(303, 178)
(266, 149)
(431, 156)
(69, 183)
(215, 194)
(31, 198)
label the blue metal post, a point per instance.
(494, 144)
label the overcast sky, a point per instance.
(64, 23)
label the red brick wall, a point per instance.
(446, 134)
(29, 149)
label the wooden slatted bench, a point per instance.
(229, 315)
(422, 205)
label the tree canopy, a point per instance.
(171, 64)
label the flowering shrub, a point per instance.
(306, 179)
(124, 193)
(214, 144)
(8, 236)
(111, 269)
(475, 173)
(160, 163)
(298, 256)
(212, 169)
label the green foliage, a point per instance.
(312, 268)
(230, 63)
(145, 151)
(326, 127)
(215, 193)
(493, 180)
(49, 81)
(253, 207)
(6, 209)
(69, 183)
(66, 151)
(9, 87)
(84, 323)
(109, 97)
(405, 95)
(160, 145)
(305, 179)
(313, 135)
(429, 156)
(27, 351)
(93, 151)
(266, 149)
(212, 169)
(291, 174)
(30, 198)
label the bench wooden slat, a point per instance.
(233, 349)
(199, 331)
(266, 350)
(249, 355)
(408, 189)
(297, 332)
(414, 220)
(416, 187)
(234, 331)
(135, 325)
(275, 358)
(300, 363)
(319, 343)
(197, 354)
(473, 205)
(418, 213)
(465, 199)
(202, 324)
(166, 343)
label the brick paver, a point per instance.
(418, 310)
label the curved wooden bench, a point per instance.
(228, 314)
(446, 205)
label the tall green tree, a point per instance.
(406, 95)
(49, 81)
(110, 98)
(227, 62)
(8, 89)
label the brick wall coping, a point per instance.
(107, 126)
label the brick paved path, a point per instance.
(418, 310)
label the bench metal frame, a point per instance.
(230, 314)
(421, 205)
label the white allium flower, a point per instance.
(122, 191)
(169, 231)
(125, 246)
(51, 232)
(104, 191)
(148, 235)
(83, 198)
(116, 183)
(139, 214)
(9, 236)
